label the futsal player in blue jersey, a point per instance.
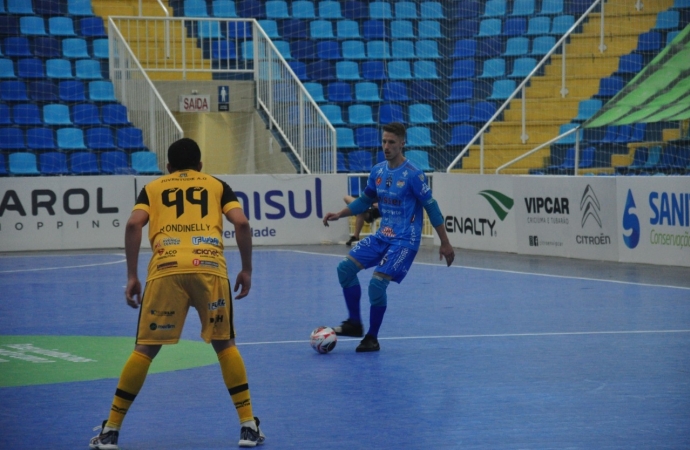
(402, 193)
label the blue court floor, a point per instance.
(499, 351)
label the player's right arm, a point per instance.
(133, 230)
(243, 236)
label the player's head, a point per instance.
(184, 154)
(396, 128)
(393, 141)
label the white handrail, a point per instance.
(525, 155)
(560, 42)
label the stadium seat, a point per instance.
(239, 30)
(32, 26)
(53, 163)
(483, 112)
(423, 91)
(561, 24)
(40, 139)
(347, 71)
(354, 10)
(59, 68)
(494, 68)
(69, 139)
(61, 26)
(570, 139)
(56, 114)
(541, 45)
(461, 90)
(23, 164)
(463, 68)
(374, 70)
(608, 87)
(399, 70)
(425, 70)
(145, 163)
(347, 29)
(17, 47)
(334, 114)
(464, 48)
(208, 29)
(300, 70)
(88, 69)
(586, 109)
(316, 92)
(551, 7)
(101, 91)
(7, 68)
(538, 26)
(304, 50)
(516, 46)
(253, 9)
(328, 50)
(269, 26)
(345, 138)
(48, 8)
(639, 158)
(224, 9)
(114, 114)
(74, 48)
(5, 114)
(374, 29)
(378, 49)
(327, 162)
(429, 29)
(100, 48)
(523, 67)
(295, 29)
(84, 163)
(13, 91)
(130, 139)
(490, 27)
(380, 10)
(79, 8)
(406, 10)
(490, 47)
(46, 47)
(421, 113)
(227, 50)
(427, 49)
(367, 91)
(329, 9)
(12, 139)
(100, 138)
(568, 164)
(194, 8)
(420, 159)
(367, 137)
(495, 8)
(391, 112)
(30, 68)
(459, 113)
(321, 29)
(419, 137)
(523, 8)
(277, 9)
(85, 114)
(25, 114)
(402, 49)
(92, 27)
(667, 20)
(321, 71)
(353, 50)
(515, 26)
(360, 115)
(9, 26)
(431, 10)
(115, 162)
(339, 92)
(395, 91)
(360, 161)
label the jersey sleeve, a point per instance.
(142, 201)
(420, 187)
(228, 199)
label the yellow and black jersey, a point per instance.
(186, 210)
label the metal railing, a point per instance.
(234, 47)
(520, 89)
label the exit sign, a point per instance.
(195, 103)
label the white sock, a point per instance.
(249, 424)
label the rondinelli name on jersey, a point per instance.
(185, 228)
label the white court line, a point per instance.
(64, 267)
(517, 272)
(479, 336)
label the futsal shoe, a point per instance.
(368, 344)
(105, 441)
(250, 437)
(349, 328)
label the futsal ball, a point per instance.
(323, 339)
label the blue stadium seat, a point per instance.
(459, 113)
(494, 68)
(467, 28)
(347, 29)
(100, 48)
(374, 29)
(327, 162)
(360, 115)
(541, 45)
(269, 26)
(115, 162)
(32, 26)
(277, 9)
(461, 90)
(495, 8)
(427, 49)
(523, 8)
(114, 114)
(516, 46)
(395, 91)
(239, 30)
(345, 138)
(40, 139)
(56, 114)
(374, 70)
(253, 9)
(406, 10)
(100, 138)
(304, 50)
(69, 139)
(419, 136)
(321, 71)
(75, 48)
(316, 91)
(502, 89)
(300, 70)
(353, 50)
(79, 8)
(329, 9)
(46, 47)
(367, 91)
(403, 50)
(380, 10)
(9, 25)
(347, 71)
(20, 7)
(402, 29)
(195, 8)
(421, 113)
(464, 48)
(463, 68)
(429, 29)
(639, 158)
(354, 10)
(88, 69)
(378, 49)
(360, 161)
(12, 139)
(23, 164)
(321, 29)
(84, 114)
(13, 91)
(227, 50)
(101, 91)
(61, 26)
(84, 163)
(224, 8)
(561, 24)
(71, 91)
(30, 68)
(490, 27)
(570, 139)
(295, 29)
(482, 112)
(431, 10)
(391, 112)
(551, 7)
(490, 47)
(649, 42)
(538, 26)
(367, 137)
(207, 29)
(17, 47)
(328, 50)
(399, 70)
(577, 7)
(7, 68)
(5, 114)
(92, 27)
(423, 91)
(26, 114)
(53, 163)
(420, 159)
(130, 139)
(425, 70)
(48, 7)
(586, 109)
(334, 114)
(523, 67)
(145, 163)
(667, 20)
(609, 86)
(59, 68)
(339, 92)
(466, 9)
(515, 26)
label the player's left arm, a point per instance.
(133, 232)
(423, 193)
(243, 236)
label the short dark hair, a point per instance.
(396, 128)
(184, 154)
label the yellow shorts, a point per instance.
(167, 300)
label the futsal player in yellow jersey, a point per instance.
(185, 212)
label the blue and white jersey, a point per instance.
(401, 194)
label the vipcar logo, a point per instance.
(590, 206)
(631, 223)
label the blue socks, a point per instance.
(375, 319)
(352, 295)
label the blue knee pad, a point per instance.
(347, 273)
(377, 291)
